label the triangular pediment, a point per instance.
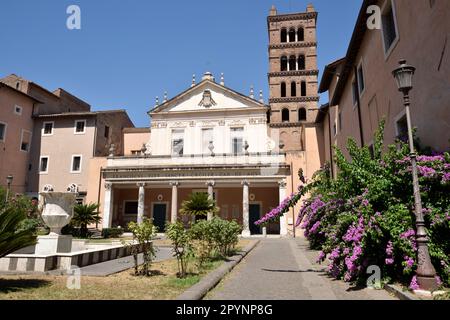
(208, 95)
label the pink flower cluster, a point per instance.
(414, 285)
(431, 158)
(389, 253)
(410, 235)
(281, 209)
(409, 262)
(426, 172)
(355, 232)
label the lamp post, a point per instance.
(425, 270)
(9, 180)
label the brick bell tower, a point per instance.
(293, 99)
(293, 75)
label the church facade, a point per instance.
(244, 153)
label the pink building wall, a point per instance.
(13, 160)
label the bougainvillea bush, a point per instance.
(366, 216)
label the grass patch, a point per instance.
(187, 282)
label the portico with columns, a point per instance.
(207, 139)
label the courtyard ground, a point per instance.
(163, 285)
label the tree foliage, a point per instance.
(198, 204)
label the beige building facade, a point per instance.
(68, 139)
(68, 144)
(361, 87)
(16, 136)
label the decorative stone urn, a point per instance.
(58, 210)
(57, 213)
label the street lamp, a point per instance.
(9, 180)
(425, 270)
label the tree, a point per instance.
(199, 204)
(143, 233)
(85, 215)
(182, 247)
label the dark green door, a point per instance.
(159, 216)
(255, 214)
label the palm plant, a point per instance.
(84, 215)
(198, 204)
(12, 234)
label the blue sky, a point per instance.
(128, 52)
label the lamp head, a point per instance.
(403, 76)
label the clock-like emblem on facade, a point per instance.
(207, 100)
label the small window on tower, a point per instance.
(301, 34)
(293, 89)
(302, 114)
(285, 115)
(283, 89)
(303, 88)
(301, 62)
(283, 35)
(292, 35)
(284, 63)
(292, 63)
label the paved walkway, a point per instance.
(118, 265)
(285, 269)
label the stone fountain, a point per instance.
(61, 252)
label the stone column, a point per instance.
(282, 194)
(210, 185)
(108, 205)
(245, 209)
(141, 203)
(174, 210)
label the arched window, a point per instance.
(283, 35)
(284, 63)
(292, 63)
(303, 88)
(285, 115)
(292, 35)
(293, 89)
(283, 89)
(301, 62)
(302, 114)
(301, 34)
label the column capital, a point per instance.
(210, 183)
(245, 183)
(174, 183)
(108, 185)
(282, 184)
(141, 184)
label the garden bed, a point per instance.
(162, 285)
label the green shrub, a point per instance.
(16, 230)
(112, 232)
(202, 238)
(143, 233)
(181, 245)
(84, 215)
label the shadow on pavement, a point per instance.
(299, 271)
(14, 285)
